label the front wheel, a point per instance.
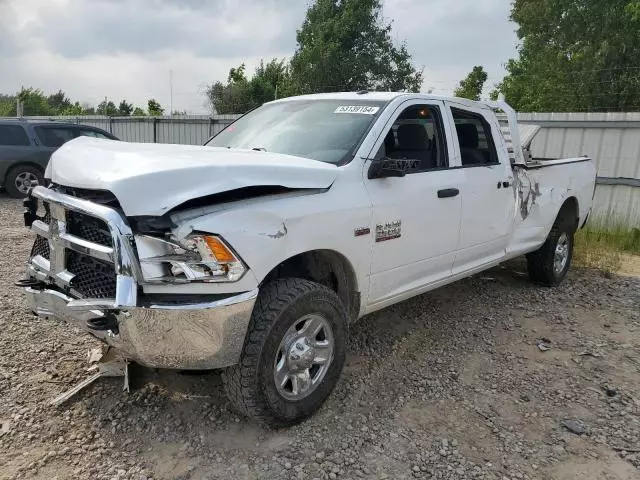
(550, 263)
(293, 354)
(21, 178)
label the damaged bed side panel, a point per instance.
(540, 193)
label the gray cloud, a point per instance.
(207, 29)
(455, 36)
(125, 48)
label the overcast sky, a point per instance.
(126, 48)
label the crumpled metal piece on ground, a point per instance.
(106, 363)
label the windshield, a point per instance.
(325, 130)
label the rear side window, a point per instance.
(13, 135)
(475, 138)
(92, 133)
(54, 136)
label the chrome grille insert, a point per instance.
(86, 249)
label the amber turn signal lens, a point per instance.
(219, 250)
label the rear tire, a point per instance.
(550, 263)
(293, 354)
(20, 178)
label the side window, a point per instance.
(54, 136)
(91, 133)
(13, 135)
(475, 138)
(417, 137)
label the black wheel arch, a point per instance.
(326, 267)
(569, 214)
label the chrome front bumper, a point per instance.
(199, 336)
(196, 336)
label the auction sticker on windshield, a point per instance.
(362, 109)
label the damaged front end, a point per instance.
(87, 268)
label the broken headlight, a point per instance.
(196, 258)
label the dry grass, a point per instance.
(605, 247)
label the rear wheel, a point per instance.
(21, 178)
(293, 354)
(550, 263)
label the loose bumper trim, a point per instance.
(198, 336)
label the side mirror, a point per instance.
(387, 167)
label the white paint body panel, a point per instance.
(442, 240)
(151, 179)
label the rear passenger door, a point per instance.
(488, 205)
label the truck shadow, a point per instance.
(372, 336)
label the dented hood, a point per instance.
(151, 179)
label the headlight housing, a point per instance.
(196, 258)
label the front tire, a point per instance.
(550, 263)
(293, 353)
(21, 178)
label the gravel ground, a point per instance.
(450, 385)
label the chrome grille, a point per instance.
(74, 246)
(41, 245)
(92, 278)
(89, 228)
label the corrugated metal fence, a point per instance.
(611, 139)
(182, 129)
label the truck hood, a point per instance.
(151, 179)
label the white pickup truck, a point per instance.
(255, 252)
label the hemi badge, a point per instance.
(359, 232)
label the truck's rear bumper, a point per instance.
(198, 336)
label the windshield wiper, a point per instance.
(259, 149)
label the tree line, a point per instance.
(341, 46)
(35, 102)
(573, 55)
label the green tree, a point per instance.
(154, 107)
(125, 108)
(73, 109)
(346, 45)
(7, 105)
(138, 112)
(34, 102)
(471, 87)
(240, 94)
(575, 55)
(107, 107)
(88, 109)
(58, 102)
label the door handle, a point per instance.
(448, 192)
(504, 184)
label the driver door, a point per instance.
(416, 217)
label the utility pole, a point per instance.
(170, 92)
